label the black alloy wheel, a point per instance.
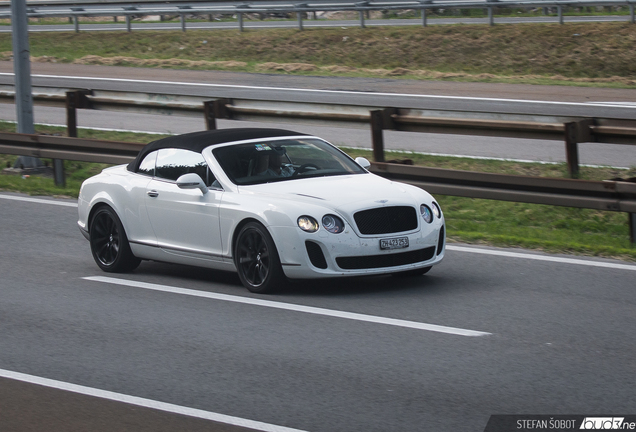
(109, 243)
(257, 260)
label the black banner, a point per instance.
(544, 423)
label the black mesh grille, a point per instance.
(316, 256)
(385, 220)
(386, 260)
(440, 241)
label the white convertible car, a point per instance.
(269, 204)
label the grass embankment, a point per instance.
(600, 54)
(554, 229)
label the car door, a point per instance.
(185, 221)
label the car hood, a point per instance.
(346, 193)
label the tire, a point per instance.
(411, 273)
(109, 244)
(257, 261)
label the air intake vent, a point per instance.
(316, 256)
(441, 240)
(386, 220)
(386, 260)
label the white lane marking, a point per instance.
(289, 307)
(146, 403)
(38, 200)
(341, 92)
(555, 259)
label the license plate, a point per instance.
(394, 243)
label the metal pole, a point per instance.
(560, 10)
(300, 20)
(183, 23)
(240, 21)
(22, 67)
(22, 73)
(423, 17)
(631, 13)
(491, 18)
(128, 27)
(361, 19)
(76, 23)
(632, 227)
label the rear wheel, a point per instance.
(257, 260)
(109, 243)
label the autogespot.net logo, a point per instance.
(607, 423)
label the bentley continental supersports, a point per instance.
(269, 204)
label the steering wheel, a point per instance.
(304, 168)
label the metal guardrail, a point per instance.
(239, 9)
(567, 129)
(601, 195)
(606, 195)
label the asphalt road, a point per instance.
(559, 340)
(435, 95)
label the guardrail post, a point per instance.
(631, 13)
(76, 24)
(216, 109)
(183, 22)
(423, 13)
(380, 120)
(240, 21)
(128, 18)
(74, 100)
(361, 13)
(560, 11)
(575, 132)
(632, 228)
(300, 20)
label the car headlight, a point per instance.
(426, 213)
(437, 210)
(307, 223)
(333, 224)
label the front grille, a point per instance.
(315, 254)
(386, 220)
(385, 260)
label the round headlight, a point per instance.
(437, 210)
(333, 224)
(426, 213)
(307, 223)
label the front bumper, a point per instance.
(326, 255)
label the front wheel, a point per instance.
(257, 260)
(109, 243)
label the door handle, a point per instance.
(152, 193)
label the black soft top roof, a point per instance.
(197, 141)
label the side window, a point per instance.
(147, 166)
(173, 163)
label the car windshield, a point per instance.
(283, 160)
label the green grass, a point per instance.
(498, 223)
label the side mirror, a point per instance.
(363, 162)
(192, 181)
